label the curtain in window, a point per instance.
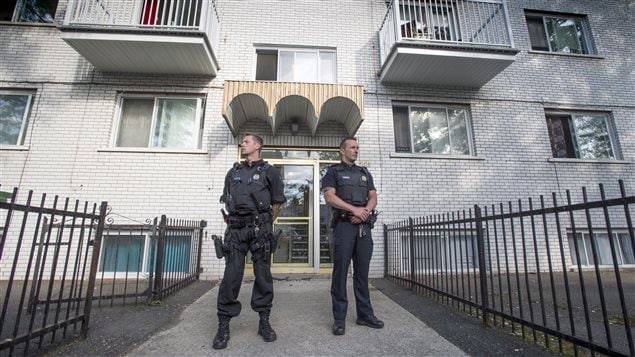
(136, 121)
(402, 129)
(327, 67)
(122, 253)
(176, 254)
(175, 124)
(12, 115)
(628, 253)
(537, 34)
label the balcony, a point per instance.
(145, 36)
(306, 104)
(445, 42)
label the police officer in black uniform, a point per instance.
(253, 195)
(350, 190)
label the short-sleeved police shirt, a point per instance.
(353, 173)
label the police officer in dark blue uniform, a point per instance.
(350, 190)
(253, 195)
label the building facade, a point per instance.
(143, 103)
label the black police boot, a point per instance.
(222, 335)
(264, 328)
(339, 328)
(370, 321)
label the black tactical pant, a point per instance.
(349, 246)
(240, 241)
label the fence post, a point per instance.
(385, 250)
(480, 243)
(96, 243)
(412, 250)
(158, 276)
(200, 247)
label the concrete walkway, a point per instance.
(302, 319)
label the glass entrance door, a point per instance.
(305, 245)
(295, 244)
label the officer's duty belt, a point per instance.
(246, 221)
(242, 221)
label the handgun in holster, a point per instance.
(219, 246)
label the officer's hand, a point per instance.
(361, 213)
(356, 220)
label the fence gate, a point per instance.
(48, 261)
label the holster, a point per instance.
(220, 248)
(260, 247)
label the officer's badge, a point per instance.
(256, 176)
(364, 178)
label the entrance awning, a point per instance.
(276, 103)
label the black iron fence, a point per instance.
(46, 283)
(562, 275)
(57, 258)
(147, 262)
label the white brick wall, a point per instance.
(75, 106)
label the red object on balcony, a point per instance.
(149, 12)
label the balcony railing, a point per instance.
(145, 36)
(167, 15)
(471, 23)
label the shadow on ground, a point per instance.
(118, 329)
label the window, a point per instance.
(428, 20)
(160, 122)
(580, 135)
(431, 129)
(288, 65)
(123, 253)
(28, 10)
(559, 33)
(14, 117)
(621, 242)
(136, 252)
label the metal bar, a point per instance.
(564, 272)
(410, 256)
(7, 297)
(480, 243)
(491, 270)
(200, 247)
(526, 270)
(60, 235)
(447, 266)
(585, 303)
(475, 266)
(616, 269)
(158, 279)
(631, 233)
(11, 207)
(538, 273)
(76, 267)
(596, 263)
(93, 267)
(515, 250)
(509, 285)
(498, 263)
(52, 273)
(554, 299)
(385, 250)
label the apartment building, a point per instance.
(142, 103)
